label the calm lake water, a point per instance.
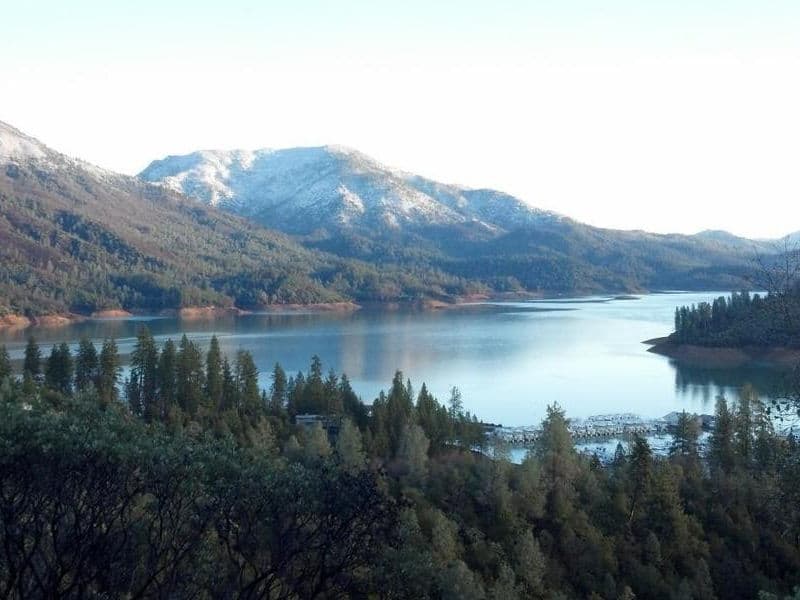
(510, 360)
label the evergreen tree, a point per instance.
(398, 412)
(333, 400)
(133, 394)
(108, 375)
(278, 390)
(455, 404)
(744, 423)
(313, 398)
(167, 378)
(433, 418)
(640, 468)
(86, 365)
(228, 400)
(721, 445)
(190, 376)
(295, 394)
(556, 451)
(144, 375)
(59, 369)
(247, 385)
(352, 405)
(685, 436)
(5, 364)
(32, 364)
(214, 383)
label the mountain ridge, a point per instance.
(333, 226)
(75, 238)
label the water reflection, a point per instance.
(509, 360)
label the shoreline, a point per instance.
(12, 322)
(776, 357)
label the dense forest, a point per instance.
(742, 319)
(187, 480)
(74, 241)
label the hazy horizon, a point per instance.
(629, 115)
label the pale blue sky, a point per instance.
(668, 116)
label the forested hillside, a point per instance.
(74, 238)
(341, 201)
(196, 484)
(742, 319)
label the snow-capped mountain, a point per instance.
(16, 146)
(18, 149)
(303, 189)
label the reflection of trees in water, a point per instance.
(707, 383)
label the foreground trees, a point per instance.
(212, 492)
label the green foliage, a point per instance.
(32, 364)
(742, 319)
(86, 365)
(97, 500)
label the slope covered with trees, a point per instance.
(742, 319)
(348, 204)
(197, 484)
(74, 238)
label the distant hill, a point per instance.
(341, 201)
(77, 238)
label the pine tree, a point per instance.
(59, 369)
(247, 385)
(5, 364)
(333, 401)
(214, 381)
(314, 392)
(640, 467)
(228, 400)
(86, 365)
(398, 412)
(455, 404)
(685, 436)
(557, 454)
(433, 418)
(144, 375)
(721, 450)
(352, 405)
(190, 376)
(32, 364)
(277, 391)
(744, 423)
(167, 378)
(296, 393)
(108, 375)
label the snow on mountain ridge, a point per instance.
(19, 148)
(17, 145)
(301, 189)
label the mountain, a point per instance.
(301, 190)
(77, 238)
(341, 201)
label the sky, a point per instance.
(668, 116)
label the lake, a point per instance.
(510, 360)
